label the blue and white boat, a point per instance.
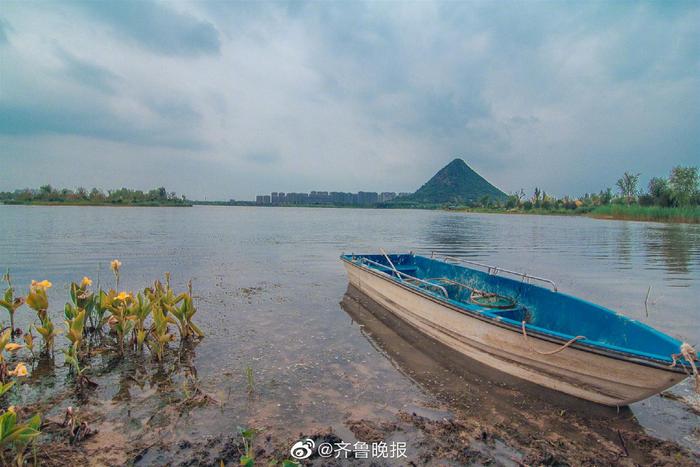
(504, 320)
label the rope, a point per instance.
(551, 352)
(690, 355)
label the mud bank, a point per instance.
(476, 417)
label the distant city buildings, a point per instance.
(333, 198)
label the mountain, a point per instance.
(455, 183)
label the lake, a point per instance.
(271, 295)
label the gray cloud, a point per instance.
(156, 26)
(88, 74)
(4, 27)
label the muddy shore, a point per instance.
(477, 416)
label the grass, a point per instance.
(690, 214)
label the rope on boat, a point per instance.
(551, 352)
(690, 355)
(390, 263)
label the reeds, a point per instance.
(688, 214)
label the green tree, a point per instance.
(684, 185)
(628, 186)
(536, 197)
(659, 191)
(513, 201)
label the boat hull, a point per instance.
(580, 373)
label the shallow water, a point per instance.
(269, 287)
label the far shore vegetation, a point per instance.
(47, 195)
(672, 199)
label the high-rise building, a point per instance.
(386, 196)
(367, 197)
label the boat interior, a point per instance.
(515, 298)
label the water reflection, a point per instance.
(268, 281)
(673, 246)
(460, 234)
(623, 246)
(474, 391)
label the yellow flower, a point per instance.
(86, 282)
(11, 409)
(115, 265)
(11, 347)
(123, 296)
(41, 285)
(20, 370)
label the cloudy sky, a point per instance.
(225, 100)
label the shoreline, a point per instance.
(615, 216)
(618, 215)
(112, 205)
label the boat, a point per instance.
(524, 326)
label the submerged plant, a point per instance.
(4, 340)
(101, 304)
(38, 300)
(120, 320)
(180, 306)
(250, 379)
(48, 332)
(6, 387)
(159, 332)
(16, 435)
(248, 435)
(10, 302)
(75, 325)
(140, 309)
(72, 359)
(82, 299)
(29, 341)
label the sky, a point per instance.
(226, 100)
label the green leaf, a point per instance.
(6, 387)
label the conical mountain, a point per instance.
(456, 183)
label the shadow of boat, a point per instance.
(520, 410)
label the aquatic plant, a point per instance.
(48, 332)
(248, 436)
(250, 379)
(72, 359)
(17, 435)
(101, 305)
(136, 320)
(38, 300)
(82, 299)
(181, 307)
(4, 340)
(159, 335)
(6, 387)
(140, 309)
(115, 266)
(75, 325)
(121, 321)
(10, 302)
(29, 341)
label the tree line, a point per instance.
(49, 194)
(680, 189)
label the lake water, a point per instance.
(269, 287)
